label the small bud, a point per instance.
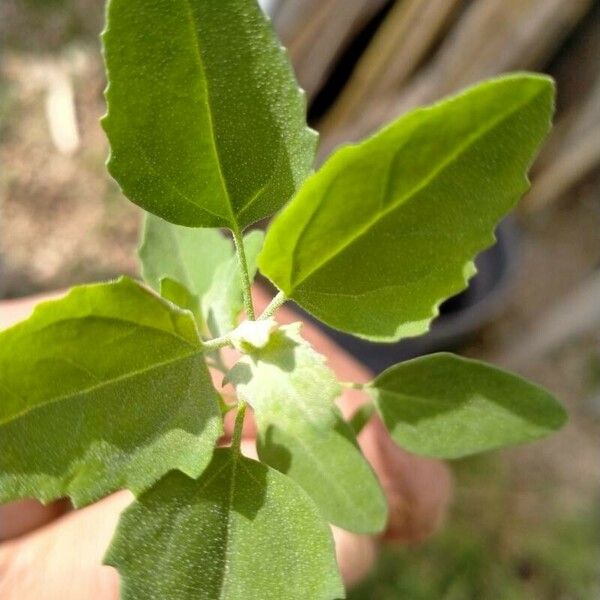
(254, 333)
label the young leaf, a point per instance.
(205, 119)
(388, 228)
(242, 530)
(302, 434)
(446, 406)
(202, 260)
(102, 389)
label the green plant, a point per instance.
(109, 387)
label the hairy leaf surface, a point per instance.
(388, 228)
(205, 119)
(102, 389)
(202, 260)
(301, 432)
(242, 530)
(446, 406)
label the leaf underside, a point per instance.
(388, 228)
(242, 530)
(205, 119)
(102, 389)
(446, 406)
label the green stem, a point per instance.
(352, 385)
(216, 343)
(277, 302)
(236, 441)
(246, 283)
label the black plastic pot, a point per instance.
(460, 317)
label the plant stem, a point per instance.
(236, 440)
(352, 385)
(279, 300)
(216, 343)
(246, 283)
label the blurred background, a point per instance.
(525, 523)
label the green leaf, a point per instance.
(301, 432)
(102, 389)
(361, 417)
(204, 262)
(178, 294)
(242, 530)
(388, 228)
(205, 119)
(446, 406)
(188, 256)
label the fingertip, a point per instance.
(419, 501)
(356, 555)
(23, 516)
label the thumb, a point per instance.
(63, 560)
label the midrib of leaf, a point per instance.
(476, 136)
(124, 377)
(195, 36)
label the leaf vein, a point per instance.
(452, 158)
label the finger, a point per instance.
(21, 517)
(418, 489)
(13, 311)
(248, 449)
(63, 560)
(355, 554)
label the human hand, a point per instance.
(53, 552)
